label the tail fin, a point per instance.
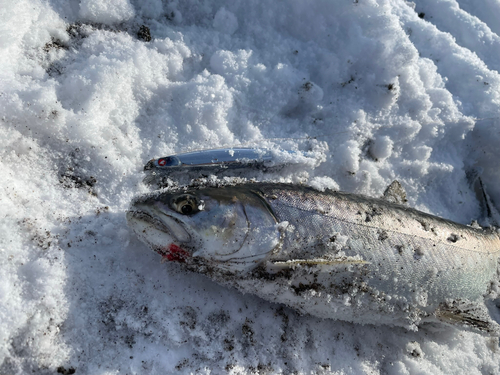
(490, 213)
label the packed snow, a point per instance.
(378, 90)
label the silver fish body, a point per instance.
(329, 254)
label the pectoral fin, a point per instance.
(319, 262)
(465, 314)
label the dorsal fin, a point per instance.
(395, 193)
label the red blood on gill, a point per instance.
(176, 254)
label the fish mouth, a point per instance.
(156, 232)
(162, 222)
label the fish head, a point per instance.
(228, 228)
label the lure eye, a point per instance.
(186, 204)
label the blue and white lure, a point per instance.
(219, 161)
(212, 159)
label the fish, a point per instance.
(329, 254)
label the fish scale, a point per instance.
(464, 269)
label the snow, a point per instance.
(107, 12)
(381, 90)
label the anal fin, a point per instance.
(319, 262)
(468, 315)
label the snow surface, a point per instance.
(382, 90)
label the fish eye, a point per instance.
(186, 204)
